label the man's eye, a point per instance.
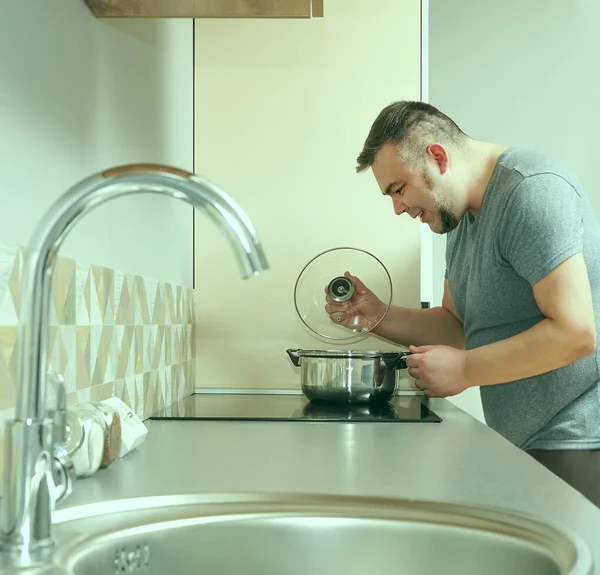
(400, 190)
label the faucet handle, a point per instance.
(58, 410)
(67, 436)
(63, 476)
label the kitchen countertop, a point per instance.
(458, 460)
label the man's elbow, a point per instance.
(589, 342)
(583, 341)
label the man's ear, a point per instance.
(439, 155)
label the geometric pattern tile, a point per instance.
(110, 334)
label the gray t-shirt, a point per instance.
(534, 216)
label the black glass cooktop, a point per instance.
(293, 407)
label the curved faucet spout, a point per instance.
(18, 527)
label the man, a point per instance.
(520, 307)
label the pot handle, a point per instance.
(395, 360)
(294, 356)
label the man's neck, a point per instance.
(482, 158)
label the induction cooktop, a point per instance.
(294, 407)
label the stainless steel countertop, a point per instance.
(458, 460)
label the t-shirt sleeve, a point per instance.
(542, 226)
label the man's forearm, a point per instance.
(546, 346)
(410, 326)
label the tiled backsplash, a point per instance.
(111, 334)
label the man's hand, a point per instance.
(439, 370)
(361, 312)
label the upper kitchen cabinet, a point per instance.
(206, 8)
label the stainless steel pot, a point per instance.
(348, 376)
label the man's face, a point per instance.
(418, 193)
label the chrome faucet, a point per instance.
(37, 472)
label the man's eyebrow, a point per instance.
(388, 190)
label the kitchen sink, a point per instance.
(267, 534)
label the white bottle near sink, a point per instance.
(133, 430)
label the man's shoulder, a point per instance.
(524, 167)
(525, 179)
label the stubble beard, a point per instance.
(448, 219)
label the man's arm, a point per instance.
(566, 334)
(433, 326)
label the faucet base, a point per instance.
(17, 563)
(20, 538)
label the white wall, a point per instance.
(282, 111)
(78, 95)
(520, 72)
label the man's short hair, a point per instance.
(411, 126)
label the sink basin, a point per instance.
(256, 534)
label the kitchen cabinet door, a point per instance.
(282, 110)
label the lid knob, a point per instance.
(340, 289)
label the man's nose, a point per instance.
(399, 206)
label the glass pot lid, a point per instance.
(346, 279)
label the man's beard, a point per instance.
(448, 220)
(447, 216)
